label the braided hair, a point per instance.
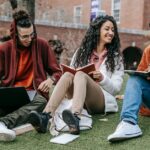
(91, 40)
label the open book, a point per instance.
(139, 73)
(86, 69)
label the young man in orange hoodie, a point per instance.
(136, 93)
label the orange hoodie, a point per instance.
(144, 64)
(145, 61)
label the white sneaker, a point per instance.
(124, 131)
(6, 134)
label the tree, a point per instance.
(29, 5)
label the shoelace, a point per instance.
(77, 115)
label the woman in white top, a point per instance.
(100, 46)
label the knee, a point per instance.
(68, 76)
(41, 100)
(80, 75)
(43, 104)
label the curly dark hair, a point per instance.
(91, 40)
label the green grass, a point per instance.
(94, 139)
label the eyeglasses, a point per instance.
(25, 37)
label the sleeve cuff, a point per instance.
(104, 80)
(54, 80)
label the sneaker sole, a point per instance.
(7, 137)
(115, 139)
(69, 119)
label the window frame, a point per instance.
(76, 16)
(116, 11)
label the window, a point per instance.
(60, 15)
(116, 10)
(77, 14)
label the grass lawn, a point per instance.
(94, 139)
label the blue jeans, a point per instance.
(137, 92)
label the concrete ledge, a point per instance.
(134, 31)
(61, 24)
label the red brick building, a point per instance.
(68, 20)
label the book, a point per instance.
(144, 74)
(64, 138)
(86, 69)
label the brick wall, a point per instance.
(134, 16)
(106, 5)
(146, 15)
(73, 37)
(133, 40)
(56, 10)
(134, 13)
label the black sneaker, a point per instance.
(72, 120)
(39, 121)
